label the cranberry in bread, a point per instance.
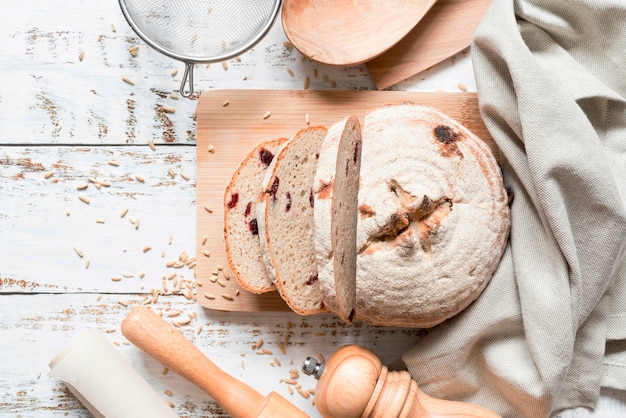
(285, 221)
(336, 190)
(433, 217)
(241, 235)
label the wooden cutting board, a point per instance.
(446, 30)
(231, 122)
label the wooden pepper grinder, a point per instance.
(354, 383)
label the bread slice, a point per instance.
(241, 238)
(285, 221)
(433, 217)
(335, 190)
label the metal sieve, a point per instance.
(200, 31)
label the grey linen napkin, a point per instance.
(549, 329)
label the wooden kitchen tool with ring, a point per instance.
(352, 383)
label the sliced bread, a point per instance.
(433, 217)
(241, 237)
(335, 194)
(285, 221)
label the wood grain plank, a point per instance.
(227, 132)
(43, 222)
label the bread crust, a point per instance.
(434, 217)
(335, 216)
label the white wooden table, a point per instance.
(68, 120)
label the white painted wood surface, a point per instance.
(66, 123)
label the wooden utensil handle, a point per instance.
(153, 335)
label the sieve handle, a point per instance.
(187, 79)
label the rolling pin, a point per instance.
(354, 383)
(153, 335)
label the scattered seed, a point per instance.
(173, 96)
(146, 248)
(48, 174)
(209, 296)
(289, 381)
(139, 178)
(462, 87)
(267, 114)
(208, 209)
(290, 72)
(307, 119)
(128, 275)
(174, 72)
(281, 347)
(185, 176)
(113, 28)
(290, 390)
(288, 45)
(199, 329)
(225, 65)
(114, 163)
(151, 145)
(206, 254)
(204, 239)
(304, 394)
(79, 252)
(168, 109)
(124, 212)
(100, 221)
(110, 330)
(211, 149)
(227, 296)
(122, 302)
(81, 55)
(294, 374)
(84, 199)
(87, 264)
(307, 81)
(277, 362)
(168, 393)
(225, 103)
(127, 80)
(116, 278)
(184, 321)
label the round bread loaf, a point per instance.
(241, 234)
(433, 217)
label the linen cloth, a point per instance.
(549, 329)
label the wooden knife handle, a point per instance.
(153, 335)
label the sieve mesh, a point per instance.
(200, 31)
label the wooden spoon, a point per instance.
(349, 32)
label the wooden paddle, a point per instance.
(349, 32)
(447, 29)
